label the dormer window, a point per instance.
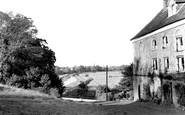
(154, 44)
(165, 41)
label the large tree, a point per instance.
(25, 60)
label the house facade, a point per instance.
(159, 48)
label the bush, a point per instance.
(166, 90)
(54, 92)
(126, 83)
(102, 89)
(37, 79)
(180, 91)
(146, 92)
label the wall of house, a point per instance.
(144, 53)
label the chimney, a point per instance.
(165, 4)
(172, 8)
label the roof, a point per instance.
(161, 20)
(179, 1)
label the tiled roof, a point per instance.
(161, 20)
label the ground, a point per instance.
(20, 105)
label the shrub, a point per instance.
(54, 92)
(158, 97)
(166, 90)
(102, 89)
(126, 83)
(146, 92)
(180, 91)
(37, 79)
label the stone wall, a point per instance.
(144, 53)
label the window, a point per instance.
(141, 46)
(166, 63)
(155, 64)
(154, 44)
(179, 43)
(180, 63)
(165, 41)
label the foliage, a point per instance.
(25, 60)
(166, 90)
(128, 71)
(146, 92)
(83, 88)
(126, 82)
(81, 69)
(102, 89)
(180, 91)
(158, 96)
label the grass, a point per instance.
(17, 101)
(99, 78)
(26, 106)
(13, 91)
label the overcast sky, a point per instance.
(88, 32)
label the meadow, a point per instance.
(99, 78)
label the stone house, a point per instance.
(159, 48)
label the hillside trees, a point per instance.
(81, 69)
(25, 60)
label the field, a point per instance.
(99, 78)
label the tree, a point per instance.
(126, 82)
(83, 88)
(25, 60)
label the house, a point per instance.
(159, 50)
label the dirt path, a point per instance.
(43, 106)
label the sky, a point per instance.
(88, 32)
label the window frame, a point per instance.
(180, 66)
(154, 64)
(179, 43)
(166, 64)
(165, 41)
(154, 44)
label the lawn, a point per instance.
(47, 106)
(15, 101)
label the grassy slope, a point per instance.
(14, 101)
(9, 90)
(27, 106)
